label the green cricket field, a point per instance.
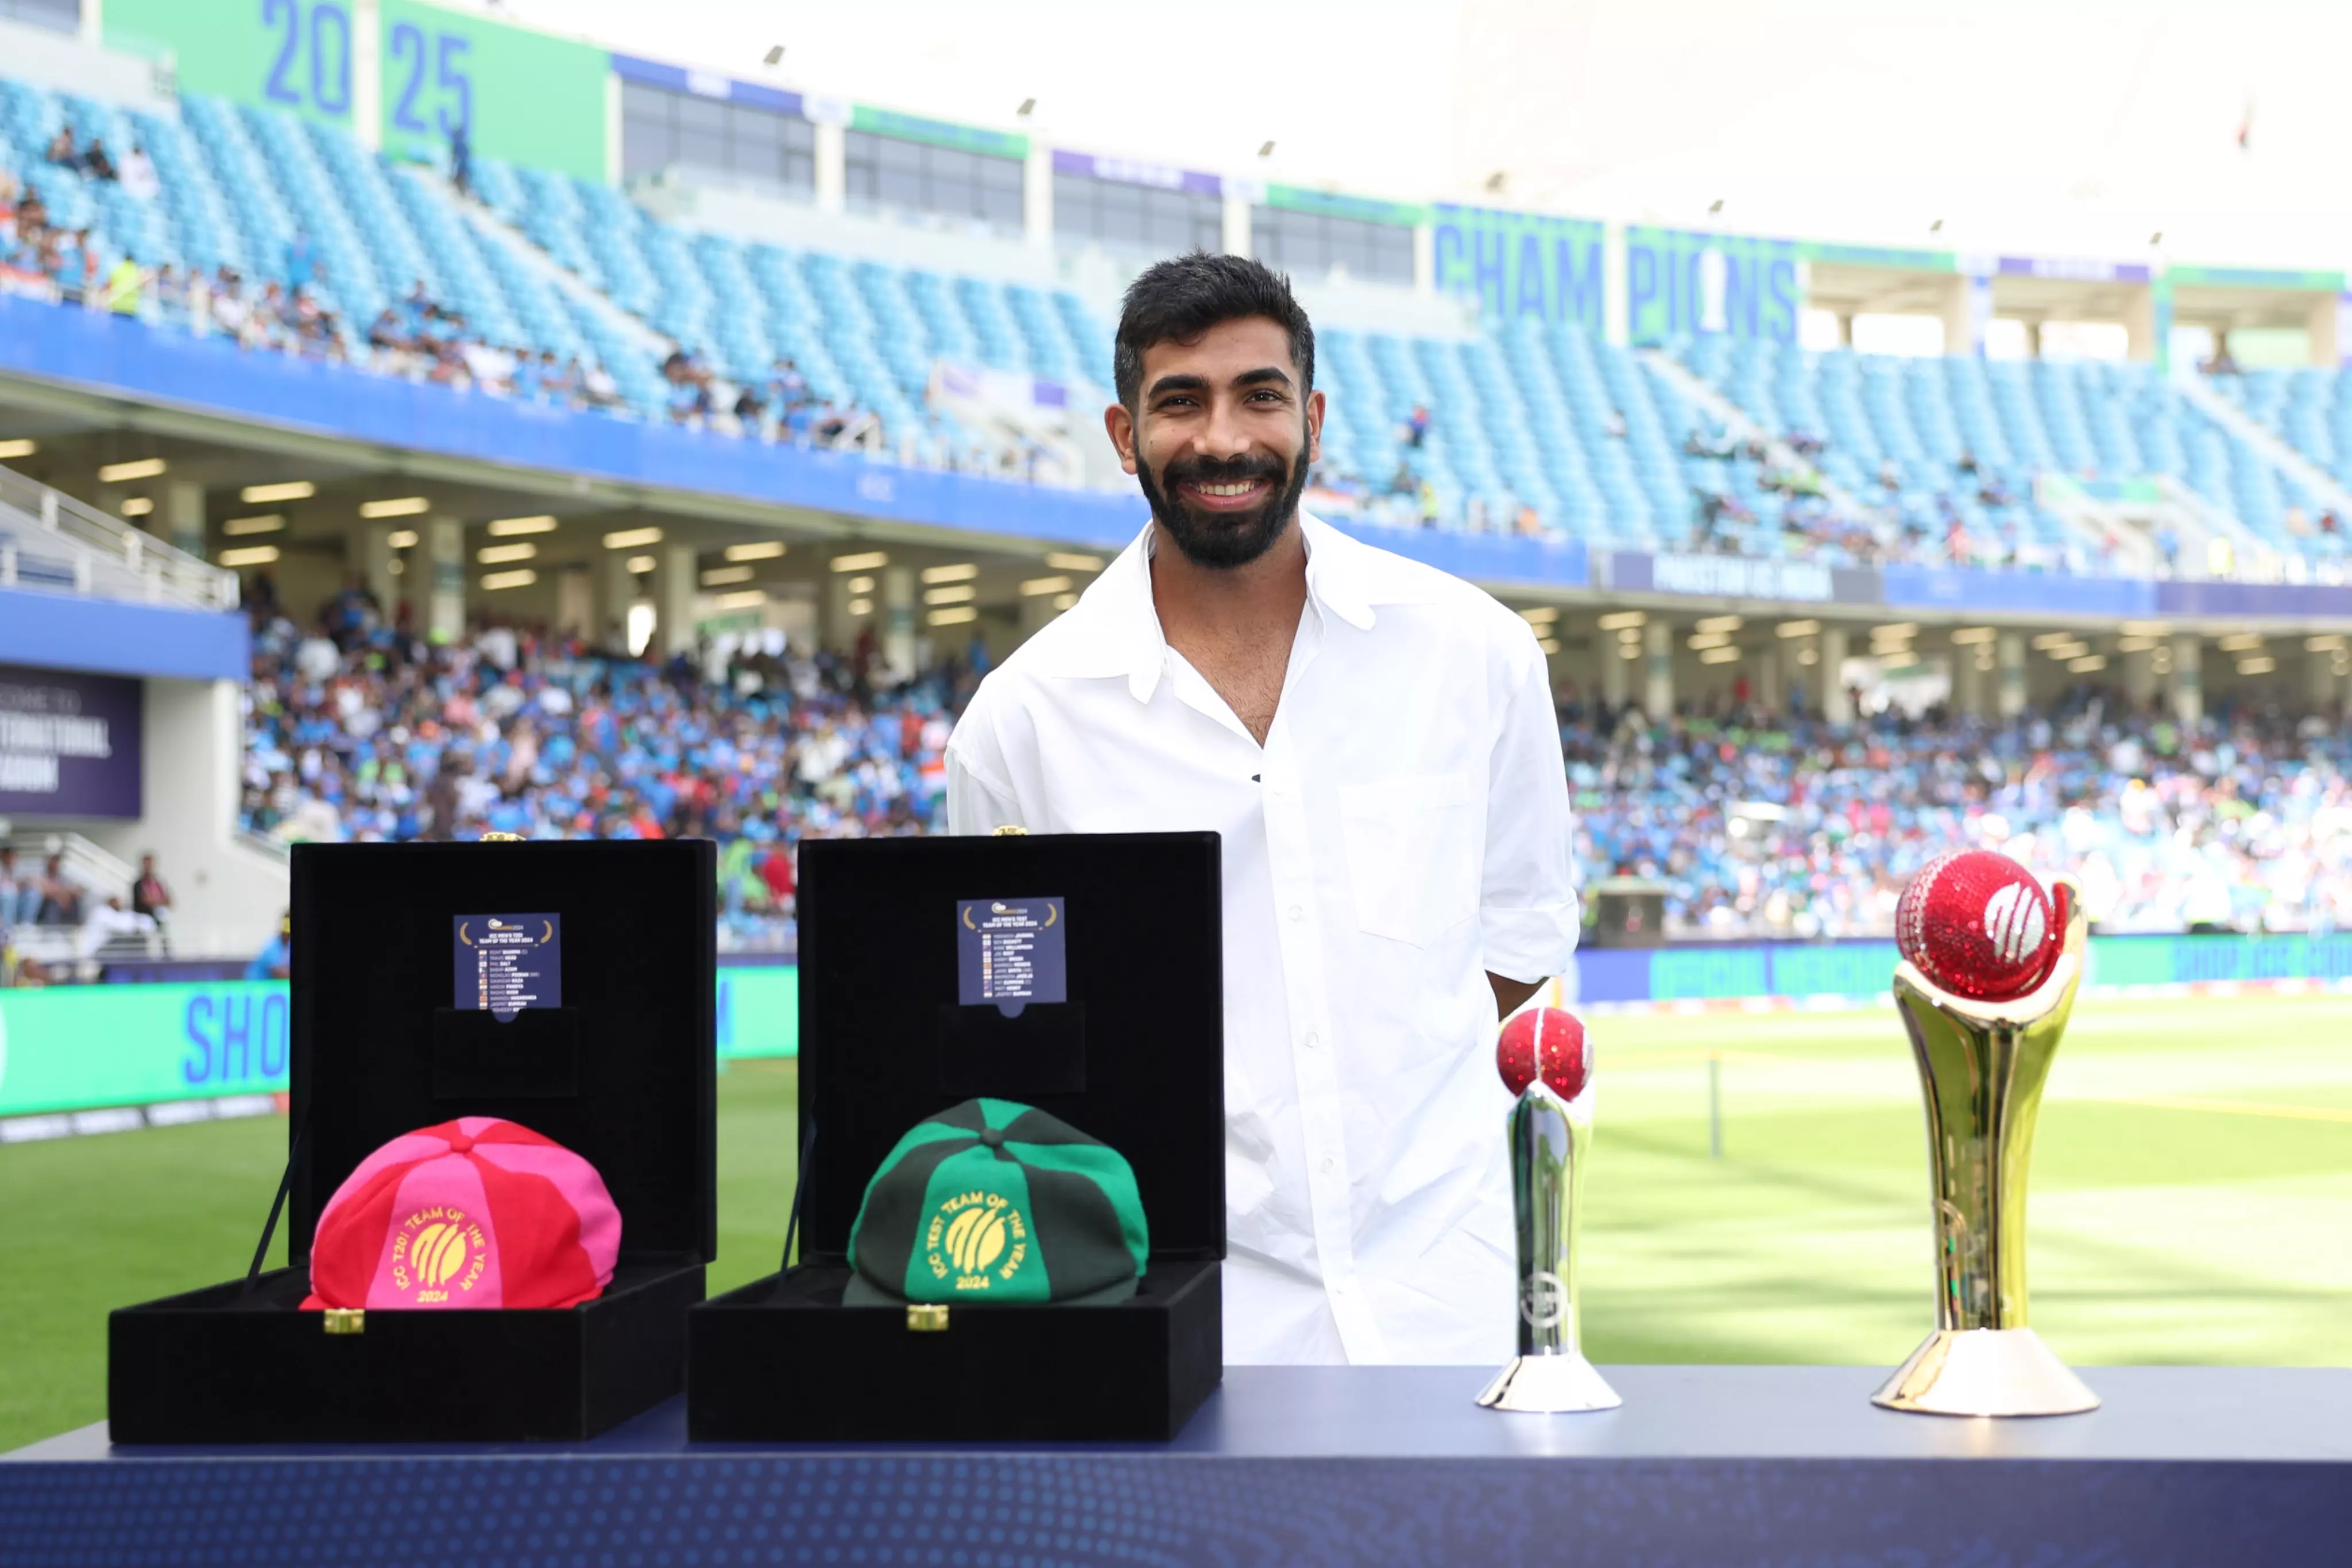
(2192, 1197)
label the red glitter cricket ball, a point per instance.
(1978, 924)
(1545, 1041)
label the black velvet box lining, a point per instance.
(1134, 1058)
(622, 1073)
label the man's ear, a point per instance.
(1315, 426)
(1121, 425)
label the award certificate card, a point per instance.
(1009, 952)
(506, 963)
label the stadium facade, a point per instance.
(1617, 427)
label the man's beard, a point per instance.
(1223, 540)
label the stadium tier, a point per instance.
(689, 559)
(556, 287)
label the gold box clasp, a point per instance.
(353, 1319)
(1008, 830)
(927, 1317)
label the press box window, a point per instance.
(886, 172)
(1140, 220)
(1308, 245)
(735, 142)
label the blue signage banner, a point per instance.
(1133, 172)
(1678, 284)
(1520, 265)
(1865, 967)
(69, 744)
(1744, 577)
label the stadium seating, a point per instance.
(2017, 419)
(1590, 439)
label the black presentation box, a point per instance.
(622, 1073)
(1134, 1057)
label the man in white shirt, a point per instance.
(1376, 744)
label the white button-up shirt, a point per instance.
(1403, 830)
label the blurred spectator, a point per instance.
(108, 922)
(1764, 825)
(138, 176)
(20, 892)
(461, 160)
(276, 961)
(62, 151)
(96, 163)
(61, 896)
(148, 896)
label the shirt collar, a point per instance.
(1113, 627)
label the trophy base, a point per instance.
(1549, 1385)
(1985, 1372)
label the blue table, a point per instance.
(1721, 1466)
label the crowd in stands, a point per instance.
(1894, 521)
(359, 729)
(1768, 825)
(54, 927)
(1760, 825)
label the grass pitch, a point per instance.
(2192, 1198)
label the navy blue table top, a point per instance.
(2149, 1413)
(1726, 1466)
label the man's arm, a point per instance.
(1527, 905)
(1509, 993)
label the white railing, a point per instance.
(102, 873)
(49, 541)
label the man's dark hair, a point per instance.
(1179, 299)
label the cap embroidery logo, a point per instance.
(438, 1250)
(978, 1237)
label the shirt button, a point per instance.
(1313, 1039)
(1297, 912)
(1327, 1165)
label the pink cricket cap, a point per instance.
(477, 1212)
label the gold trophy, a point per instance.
(1982, 1065)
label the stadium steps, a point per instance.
(2208, 520)
(1737, 421)
(2324, 487)
(493, 229)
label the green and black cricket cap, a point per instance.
(996, 1203)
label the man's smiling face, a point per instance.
(1222, 439)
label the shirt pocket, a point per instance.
(1414, 853)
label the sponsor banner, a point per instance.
(2234, 599)
(73, 1047)
(2071, 270)
(938, 132)
(1679, 283)
(1814, 971)
(1744, 577)
(524, 96)
(1132, 172)
(69, 744)
(1894, 258)
(1334, 205)
(708, 84)
(1521, 265)
(2016, 593)
(2254, 278)
(521, 95)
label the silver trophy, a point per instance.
(1983, 1065)
(1550, 1140)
